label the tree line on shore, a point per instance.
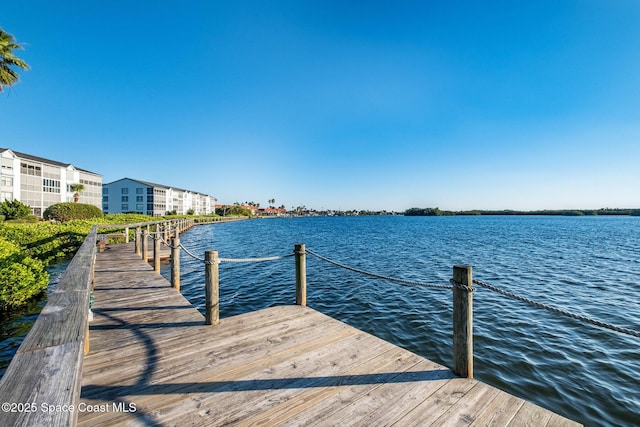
(559, 212)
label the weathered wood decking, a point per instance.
(288, 365)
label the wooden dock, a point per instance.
(153, 362)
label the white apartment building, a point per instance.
(40, 183)
(132, 195)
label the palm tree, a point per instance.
(77, 189)
(8, 76)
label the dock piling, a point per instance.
(145, 245)
(138, 241)
(175, 262)
(301, 273)
(212, 296)
(462, 322)
(156, 252)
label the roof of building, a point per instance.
(153, 184)
(43, 160)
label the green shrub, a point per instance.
(69, 211)
(29, 219)
(21, 277)
(47, 242)
(126, 218)
(14, 209)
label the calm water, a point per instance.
(587, 265)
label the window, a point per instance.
(139, 207)
(7, 196)
(139, 198)
(124, 191)
(150, 206)
(50, 185)
(125, 207)
(105, 198)
(7, 164)
(149, 190)
(105, 208)
(125, 198)
(139, 190)
(105, 190)
(29, 169)
(7, 181)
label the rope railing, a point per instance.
(389, 278)
(235, 260)
(188, 252)
(485, 285)
(248, 260)
(556, 310)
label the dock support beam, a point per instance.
(212, 296)
(462, 322)
(301, 273)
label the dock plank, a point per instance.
(284, 365)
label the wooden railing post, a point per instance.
(138, 242)
(462, 322)
(126, 234)
(156, 252)
(175, 262)
(145, 243)
(301, 274)
(212, 297)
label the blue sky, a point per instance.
(338, 105)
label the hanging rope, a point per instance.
(272, 258)
(388, 278)
(558, 311)
(192, 255)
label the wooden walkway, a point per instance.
(154, 363)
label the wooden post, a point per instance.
(212, 297)
(462, 322)
(126, 234)
(175, 263)
(138, 241)
(145, 244)
(156, 252)
(301, 274)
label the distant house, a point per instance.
(273, 211)
(40, 183)
(132, 195)
(251, 208)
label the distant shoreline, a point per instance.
(560, 212)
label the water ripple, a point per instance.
(586, 265)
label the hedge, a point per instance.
(69, 211)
